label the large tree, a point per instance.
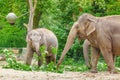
(37, 13)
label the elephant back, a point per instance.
(49, 35)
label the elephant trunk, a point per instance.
(36, 46)
(70, 40)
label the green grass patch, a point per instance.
(69, 64)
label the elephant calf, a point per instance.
(41, 37)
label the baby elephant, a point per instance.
(41, 37)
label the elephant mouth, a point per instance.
(35, 49)
(81, 37)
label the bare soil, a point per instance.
(10, 74)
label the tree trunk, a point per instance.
(37, 16)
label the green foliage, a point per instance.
(12, 37)
(42, 49)
(54, 50)
(76, 50)
(113, 8)
(117, 61)
(98, 7)
(101, 66)
(73, 65)
(68, 64)
(43, 54)
(12, 62)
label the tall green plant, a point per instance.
(98, 7)
(12, 37)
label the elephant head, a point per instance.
(34, 38)
(82, 28)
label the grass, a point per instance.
(67, 65)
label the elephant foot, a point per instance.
(39, 63)
(114, 71)
(88, 65)
(93, 71)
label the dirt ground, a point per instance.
(10, 74)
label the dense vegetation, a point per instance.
(56, 15)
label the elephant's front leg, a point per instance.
(53, 58)
(42, 56)
(95, 54)
(40, 60)
(47, 59)
(108, 56)
(29, 55)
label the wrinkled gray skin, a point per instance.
(41, 37)
(101, 33)
(95, 54)
(95, 50)
(86, 48)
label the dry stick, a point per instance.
(26, 25)
(22, 15)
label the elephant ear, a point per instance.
(90, 26)
(41, 37)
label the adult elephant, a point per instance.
(41, 37)
(100, 32)
(95, 51)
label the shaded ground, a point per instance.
(10, 74)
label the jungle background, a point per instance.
(56, 15)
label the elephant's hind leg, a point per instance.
(47, 59)
(53, 59)
(40, 61)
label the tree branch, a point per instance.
(35, 4)
(31, 14)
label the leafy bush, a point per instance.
(12, 37)
(67, 65)
(14, 64)
(98, 7)
(117, 61)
